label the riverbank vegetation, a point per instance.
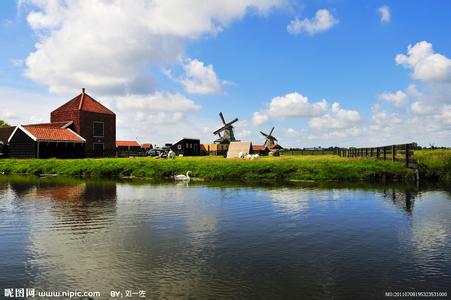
(434, 164)
(287, 168)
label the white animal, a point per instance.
(182, 177)
(171, 154)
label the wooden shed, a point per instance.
(214, 149)
(187, 147)
(45, 140)
(129, 148)
(260, 149)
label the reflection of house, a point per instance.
(128, 148)
(187, 147)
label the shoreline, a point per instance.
(284, 169)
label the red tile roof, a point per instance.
(46, 132)
(127, 144)
(258, 147)
(145, 146)
(84, 102)
(53, 124)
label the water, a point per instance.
(202, 241)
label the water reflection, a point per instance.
(206, 241)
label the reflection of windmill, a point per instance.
(227, 130)
(270, 139)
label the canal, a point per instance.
(223, 241)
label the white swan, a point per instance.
(183, 177)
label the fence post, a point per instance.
(385, 153)
(378, 152)
(407, 155)
(393, 152)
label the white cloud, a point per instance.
(244, 133)
(398, 98)
(289, 105)
(157, 102)
(337, 118)
(201, 79)
(422, 108)
(109, 45)
(426, 65)
(385, 13)
(322, 21)
(259, 118)
(295, 105)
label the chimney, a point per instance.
(83, 90)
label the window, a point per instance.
(179, 147)
(98, 129)
(97, 149)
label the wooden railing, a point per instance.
(402, 152)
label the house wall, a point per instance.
(84, 126)
(60, 150)
(108, 140)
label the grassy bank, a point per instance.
(287, 168)
(434, 164)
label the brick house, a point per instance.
(92, 121)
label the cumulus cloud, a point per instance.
(337, 118)
(290, 105)
(426, 65)
(109, 45)
(322, 21)
(157, 102)
(398, 98)
(385, 13)
(200, 78)
(259, 118)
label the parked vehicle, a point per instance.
(163, 151)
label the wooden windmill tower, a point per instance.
(270, 139)
(227, 135)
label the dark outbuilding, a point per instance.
(187, 147)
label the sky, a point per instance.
(323, 73)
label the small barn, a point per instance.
(129, 148)
(260, 149)
(45, 140)
(187, 147)
(235, 148)
(275, 147)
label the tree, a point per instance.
(3, 124)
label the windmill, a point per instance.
(270, 139)
(227, 130)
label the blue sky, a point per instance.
(340, 74)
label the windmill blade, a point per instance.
(222, 118)
(220, 129)
(274, 139)
(230, 123)
(271, 131)
(264, 134)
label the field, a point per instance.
(433, 164)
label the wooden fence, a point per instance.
(401, 152)
(308, 151)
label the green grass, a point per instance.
(435, 164)
(211, 168)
